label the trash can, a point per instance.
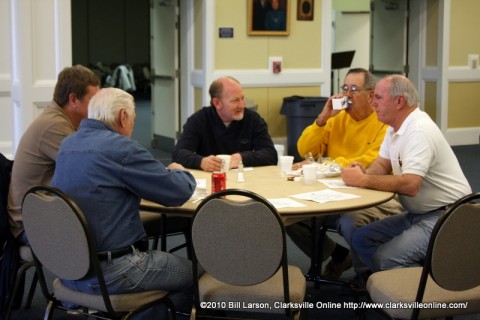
(300, 112)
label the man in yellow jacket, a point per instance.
(344, 135)
(351, 134)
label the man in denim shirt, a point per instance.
(107, 174)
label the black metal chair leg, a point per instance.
(31, 292)
(16, 286)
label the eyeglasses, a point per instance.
(353, 88)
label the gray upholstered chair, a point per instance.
(450, 274)
(62, 243)
(239, 241)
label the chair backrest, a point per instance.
(238, 241)
(62, 242)
(455, 257)
(55, 228)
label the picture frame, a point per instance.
(305, 10)
(268, 17)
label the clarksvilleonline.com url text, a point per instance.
(333, 305)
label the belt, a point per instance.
(141, 245)
(116, 253)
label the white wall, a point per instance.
(351, 32)
(36, 45)
(6, 127)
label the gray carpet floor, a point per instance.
(327, 294)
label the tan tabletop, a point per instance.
(268, 182)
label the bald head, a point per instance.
(228, 99)
(217, 87)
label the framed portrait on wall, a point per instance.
(268, 17)
(305, 10)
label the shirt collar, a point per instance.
(406, 122)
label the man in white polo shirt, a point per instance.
(417, 163)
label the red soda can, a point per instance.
(219, 181)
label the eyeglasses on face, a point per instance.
(353, 88)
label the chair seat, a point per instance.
(401, 285)
(25, 253)
(217, 291)
(120, 302)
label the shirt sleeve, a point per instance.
(314, 139)
(152, 181)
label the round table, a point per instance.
(271, 184)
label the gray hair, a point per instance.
(368, 78)
(107, 103)
(402, 86)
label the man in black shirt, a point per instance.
(225, 127)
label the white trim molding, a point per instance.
(462, 136)
(288, 77)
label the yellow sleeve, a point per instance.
(314, 139)
(363, 153)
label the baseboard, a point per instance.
(463, 136)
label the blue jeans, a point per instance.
(349, 222)
(395, 242)
(143, 271)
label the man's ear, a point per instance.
(216, 103)
(72, 99)
(371, 95)
(122, 118)
(401, 102)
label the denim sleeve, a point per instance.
(150, 180)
